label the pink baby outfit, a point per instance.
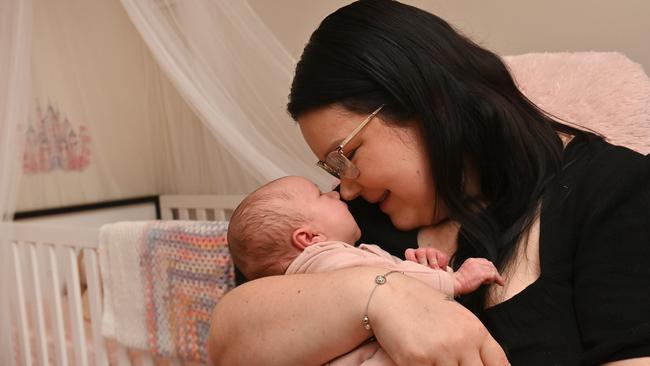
(333, 255)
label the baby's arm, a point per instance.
(473, 273)
(333, 255)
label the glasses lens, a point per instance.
(327, 168)
(342, 167)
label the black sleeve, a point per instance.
(612, 263)
(376, 228)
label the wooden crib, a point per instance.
(51, 303)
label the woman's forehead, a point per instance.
(325, 128)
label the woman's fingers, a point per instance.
(492, 354)
(447, 362)
(472, 359)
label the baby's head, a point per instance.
(275, 223)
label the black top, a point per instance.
(591, 303)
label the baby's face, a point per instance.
(329, 214)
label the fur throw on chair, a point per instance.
(602, 91)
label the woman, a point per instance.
(458, 158)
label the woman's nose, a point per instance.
(334, 195)
(350, 189)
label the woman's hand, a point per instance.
(417, 325)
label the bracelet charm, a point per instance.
(379, 280)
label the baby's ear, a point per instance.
(305, 236)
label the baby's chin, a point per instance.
(351, 238)
(357, 235)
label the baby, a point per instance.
(288, 226)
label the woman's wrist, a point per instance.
(380, 280)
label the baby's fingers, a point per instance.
(499, 280)
(492, 274)
(409, 254)
(433, 259)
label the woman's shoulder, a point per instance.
(610, 188)
(598, 170)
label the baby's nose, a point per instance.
(333, 194)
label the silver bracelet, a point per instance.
(379, 280)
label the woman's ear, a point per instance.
(305, 236)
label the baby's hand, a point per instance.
(473, 273)
(427, 256)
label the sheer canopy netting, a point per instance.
(235, 74)
(15, 43)
(15, 51)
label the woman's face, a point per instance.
(392, 161)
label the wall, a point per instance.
(505, 26)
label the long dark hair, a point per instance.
(462, 98)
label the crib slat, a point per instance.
(23, 326)
(60, 350)
(183, 214)
(94, 300)
(166, 213)
(147, 360)
(7, 350)
(220, 214)
(41, 338)
(201, 214)
(76, 310)
(121, 356)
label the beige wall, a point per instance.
(505, 26)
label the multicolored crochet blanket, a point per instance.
(186, 268)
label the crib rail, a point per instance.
(50, 303)
(43, 280)
(198, 207)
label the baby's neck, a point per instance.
(285, 260)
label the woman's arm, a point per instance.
(303, 319)
(310, 319)
(645, 361)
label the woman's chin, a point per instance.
(404, 224)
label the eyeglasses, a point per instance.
(336, 163)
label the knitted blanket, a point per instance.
(183, 269)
